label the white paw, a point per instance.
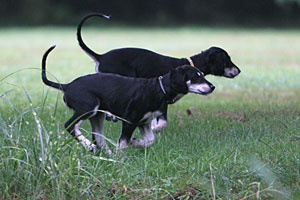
(153, 123)
(123, 144)
(158, 125)
(137, 142)
(108, 151)
(141, 143)
(93, 148)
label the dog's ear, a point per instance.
(215, 59)
(177, 73)
(211, 55)
(179, 77)
(173, 75)
(182, 73)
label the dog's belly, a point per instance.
(147, 118)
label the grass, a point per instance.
(241, 142)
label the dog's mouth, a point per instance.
(231, 72)
(204, 93)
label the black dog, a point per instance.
(137, 100)
(135, 62)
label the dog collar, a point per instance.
(190, 61)
(161, 85)
(164, 91)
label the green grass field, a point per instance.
(240, 142)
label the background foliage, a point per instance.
(155, 12)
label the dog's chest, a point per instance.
(178, 97)
(147, 118)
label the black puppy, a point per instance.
(137, 100)
(135, 62)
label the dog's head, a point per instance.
(218, 63)
(186, 79)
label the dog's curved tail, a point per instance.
(90, 52)
(44, 77)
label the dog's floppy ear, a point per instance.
(177, 74)
(181, 73)
(211, 55)
(173, 73)
(179, 77)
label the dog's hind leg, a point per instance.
(73, 125)
(147, 137)
(97, 123)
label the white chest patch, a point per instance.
(150, 115)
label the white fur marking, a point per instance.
(158, 125)
(97, 66)
(123, 144)
(86, 143)
(231, 72)
(147, 137)
(150, 115)
(95, 111)
(95, 60)
(198, 88)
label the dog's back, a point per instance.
(122, 96)
(136, 62)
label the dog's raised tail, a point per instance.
(79, 38)
(44, 77)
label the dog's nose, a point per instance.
(212, 87)
(236, 70)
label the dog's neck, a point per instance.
(171, 94)
(162, 85)
(190, 61)
(200, 61)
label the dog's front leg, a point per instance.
(159, 123)
(147, 137)
(127, 131)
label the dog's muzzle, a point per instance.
(202, 88)
(231, 72)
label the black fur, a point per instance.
(127, 97)
(136, 62)
(143, 63)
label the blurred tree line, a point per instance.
(154, 12)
